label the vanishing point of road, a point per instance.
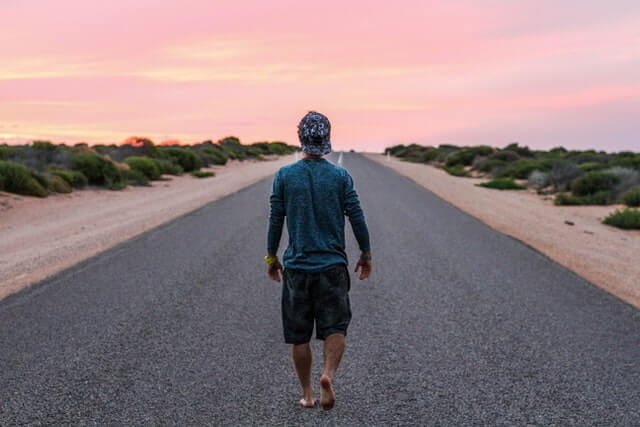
(459, 325)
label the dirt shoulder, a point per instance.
(606, 256)
(41, 237)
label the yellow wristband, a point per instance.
(270, 260)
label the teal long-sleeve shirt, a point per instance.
(314, 196)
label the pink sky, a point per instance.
(544, 73)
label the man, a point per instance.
(315, 196)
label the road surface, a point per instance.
(458, 325)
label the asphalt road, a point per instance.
(458, 325)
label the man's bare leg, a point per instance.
(302, 360)
(334, 346)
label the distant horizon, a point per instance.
(542, 73)
(215, 140)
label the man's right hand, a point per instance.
(365, 265)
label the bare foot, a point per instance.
(327, 396)
(308, 403)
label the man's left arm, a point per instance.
(274, 233)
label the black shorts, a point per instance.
(322, 297)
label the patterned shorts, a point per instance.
(322, 297)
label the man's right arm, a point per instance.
(359, 227)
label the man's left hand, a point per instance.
(273, 271)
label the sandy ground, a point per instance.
(604, 255)
(40, 237)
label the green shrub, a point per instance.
(430, 155)
(202, 174)
(58, 185)
(6, 152)
(505, 156)
(457, 170)
(1, 183)
(97, 169)
(563, 173)
(594, 182)
(145, 165)
(490, 165)
(167, 167)
(628, 219)
(599, 198)
(463, 157)
(521, 169)
(135, 177)
(626, 161)
(74, 178)
(254, 152)
(521, 150)
(280, 148)
(188, 160)
(217, 157)
(591, 166)
(41, 178)
(502, 184)
(19, 179)
(43, 145)
(631, 197)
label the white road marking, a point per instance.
(340, 158)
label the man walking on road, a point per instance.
(315, 196)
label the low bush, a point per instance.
(135, 177)
(632, 162)
(97, 169)
(457, 170)
(6, 152)
(167, 167)
(43, 145)
(490, 165)
(594, 182)
(539, 179)
(463, 157)
(628, 219)
(430, 155)
(58, 185)
(521, 150)
(631, 197)
(145, 165)
(502, 184)
(255, 153)
(75, 178)
(563, 173)
(280, 148)
(627, 178)
(599, 198)
(188, 160)
(591, 166)
(217, 157)
(505, 156)
(19, 179)
(202, 174)
(521, 169)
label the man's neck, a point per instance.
(311, 156)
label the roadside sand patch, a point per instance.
(604, 255)
(40, 237)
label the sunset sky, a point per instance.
(544, 73)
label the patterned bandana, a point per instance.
(314, 132)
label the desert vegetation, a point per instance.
(571, 177)
(41, 168)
